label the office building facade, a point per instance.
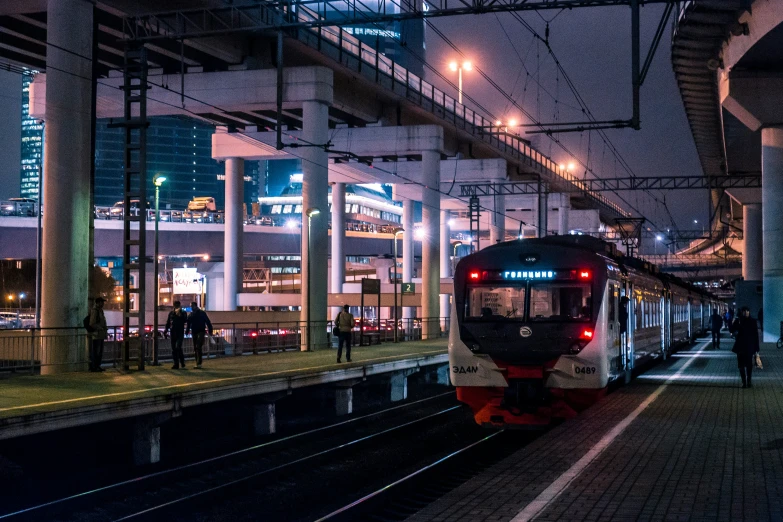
(32, 141)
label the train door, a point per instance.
(627, 323)
(614, 348)
(665, 319)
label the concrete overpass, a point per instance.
(728, 59)
(333, 88)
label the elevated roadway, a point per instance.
(728, 60)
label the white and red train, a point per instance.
(541, 327)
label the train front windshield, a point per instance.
(536, 301)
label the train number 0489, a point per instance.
(584, 370)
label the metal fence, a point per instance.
(28, 350)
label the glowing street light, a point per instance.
(310, 212)
(157, 180)
(418, 233)
(456, 67)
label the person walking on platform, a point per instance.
(198, 323)
(716, 323)
(344, 321)
(176, 325)
(747, 344)
(98, 331)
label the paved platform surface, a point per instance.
(683, 442)
(36, 397)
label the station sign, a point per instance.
(371, 286)
(186, 281)
(408, 288)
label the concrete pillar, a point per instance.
(315, 188)
(445, 264)
(399, 384)
(234, 228)
(338, 242)
(408, 256)
(146, 441)
(430, 244)
(66, 222)
(772, 226)
(264, 418)
(562, 214)
(443, 375)
(497, 220)
(542, 222)
(752, 268)
(343, 400)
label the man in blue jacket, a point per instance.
(198, 323)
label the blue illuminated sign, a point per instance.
(527, 274)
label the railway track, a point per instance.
(189, 490)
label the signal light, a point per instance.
(474, 276)
(584, 274)
(253, 334)
(587, 334)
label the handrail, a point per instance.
(417, 90)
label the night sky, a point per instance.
(593, 45)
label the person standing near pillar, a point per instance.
(747, 344)
(176, 325)
(97, 334)
(198, 323)
(344, 321)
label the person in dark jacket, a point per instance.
(716, 323)
(747, 344)
(176, 325)
(198, 323)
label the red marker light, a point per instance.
(474, 276)
(253, 334)
(587, 334)
(584, 274)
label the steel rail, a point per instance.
(157, 474)
(287, 464)
(406, 478)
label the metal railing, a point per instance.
(31, 349)
(365, 60)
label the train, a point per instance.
(541, 328)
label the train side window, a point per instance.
(638, 314)
(612, 303)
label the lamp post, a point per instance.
(310, 212)
(658, 239)
(21, 296)
(456, 67)
(396, 232)
(157, 181)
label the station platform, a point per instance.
(33, 404)
(682, 442)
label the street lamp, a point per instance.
(157, 181)
(658, 238)
(21, 296)
(456, 67)
(396, 232)
(310, 212)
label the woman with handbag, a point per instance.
(746, 345)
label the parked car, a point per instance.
(10, 320)
(117, 210)
(204, 203)
(19, 207)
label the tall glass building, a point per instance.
(179, 148)
(32, 139)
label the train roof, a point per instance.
(609, 250)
